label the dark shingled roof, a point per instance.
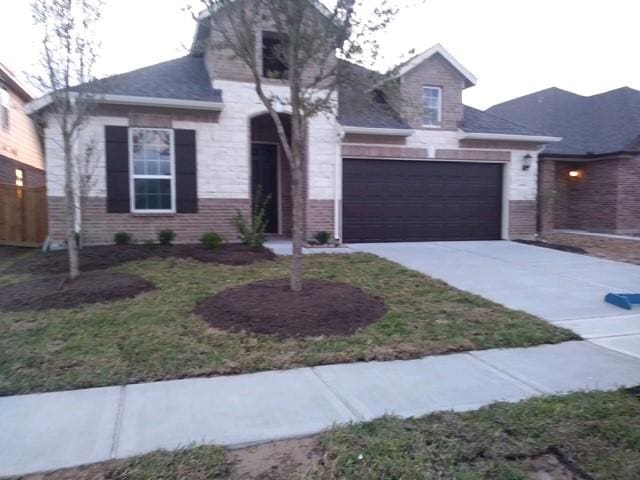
(184, 78)
(358, 104)
(605, 123)
(477, 121)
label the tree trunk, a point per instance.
(298, 230)
(70, 210)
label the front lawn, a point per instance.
(584, 436)
(157, 336)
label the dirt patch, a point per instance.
(269, 307)
(554, 246)
(59, 292)
(106, 256)
(276, 460)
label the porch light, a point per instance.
(575, 173)
(526, 162)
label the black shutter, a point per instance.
(186, 176)
(117, 160)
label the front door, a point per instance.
(264, 180)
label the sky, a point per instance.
(513, 47)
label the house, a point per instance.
(186, 143)
(23, 204)
(588, 181)
(21, 156)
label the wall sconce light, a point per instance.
(575, 173)
(527, 160)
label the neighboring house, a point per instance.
(186, 143)
(589, 181)
(21, 157)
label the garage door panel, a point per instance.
(399, 200)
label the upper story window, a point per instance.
(273, 56)
(4, 108)
(432, 106)
(153, 170)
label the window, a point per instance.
(4, 108)
(273, 56)
(432, 106)
(19, 177)
(152, 167)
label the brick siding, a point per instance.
(522, 218)
(99, 226)
(320, 216)
(604, 199)
(498, 145)
(436, 72)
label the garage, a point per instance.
(408, 201)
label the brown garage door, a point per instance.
(399, 200)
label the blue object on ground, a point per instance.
(623, 300)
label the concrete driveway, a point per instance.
(563, 288)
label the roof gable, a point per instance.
(438, 49)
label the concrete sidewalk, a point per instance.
(55, 430)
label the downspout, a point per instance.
(337, 189)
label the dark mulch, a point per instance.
(554, 246)
(106, 256)
(59, 292)
(270, 307)
(8, 251)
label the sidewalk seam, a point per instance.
(118, 426)
(536, 388)
(611, 350)
(354, 411)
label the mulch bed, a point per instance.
(8, 251)
(59, 292)
(106, 256)
(554, 246)
(270, 307)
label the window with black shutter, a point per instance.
(151, 170)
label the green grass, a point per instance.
(597, 433)
(156, 336)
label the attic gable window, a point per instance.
(273, 64)
(432, 106)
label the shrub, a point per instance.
(122, 238)
(166, 236)
(253, 233)
(211, 240)
(322, 237)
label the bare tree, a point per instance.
(68, 56)
(309, 38)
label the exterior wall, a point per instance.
(33, 177)
(629, 196)
(99, 226)
(604, 199)
(223, 163)
(21, 141)
(437, 72)
(223, 65)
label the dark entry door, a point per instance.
(264, 180)
(399, 200)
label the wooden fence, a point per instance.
(23, 215)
